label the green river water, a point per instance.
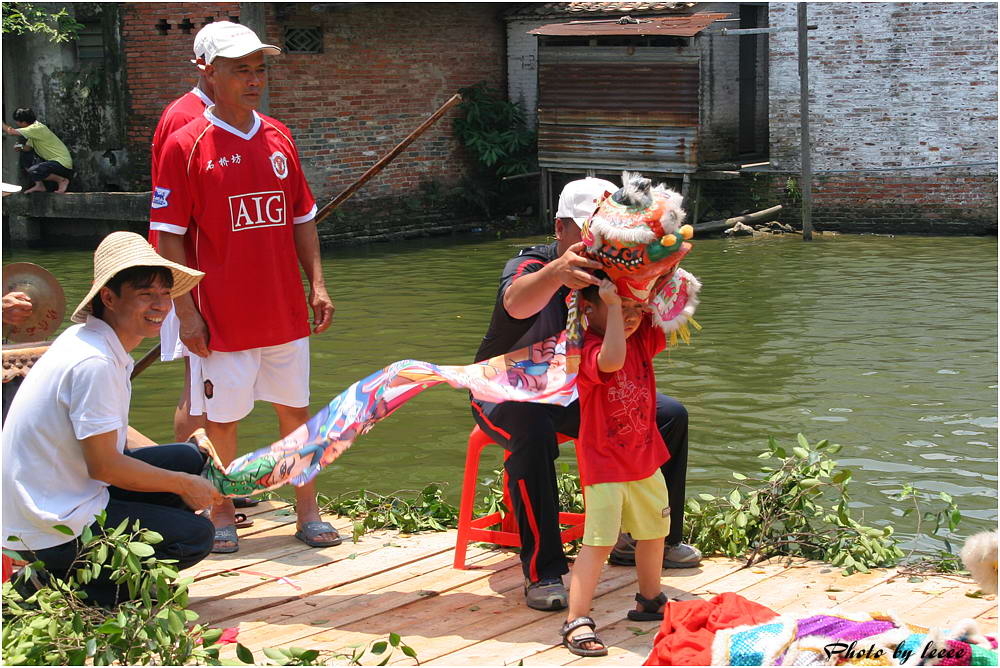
(887, 345)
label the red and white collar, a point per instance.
(218, 122)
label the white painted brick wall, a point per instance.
(522, 65)
(892, 85)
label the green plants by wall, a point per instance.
(496, 134)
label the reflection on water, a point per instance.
(886, 345)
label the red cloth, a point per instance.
(236, 197)
(688, 628)
(619, 440)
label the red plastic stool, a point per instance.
(478, 529)
(8, 567)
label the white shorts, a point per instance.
(224, 386)
(171, 347)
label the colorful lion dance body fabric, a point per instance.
(839, 639)
(635, 233)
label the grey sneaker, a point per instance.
(681, 555)
(545, 594)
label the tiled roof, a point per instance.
(563, 9)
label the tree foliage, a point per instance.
(23, 17)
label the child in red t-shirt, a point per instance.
(621, 452)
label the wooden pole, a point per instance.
(762, 216)
(805, 179)
(386, 159)
(147, 359)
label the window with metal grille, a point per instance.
(90, 44)
(303, 40)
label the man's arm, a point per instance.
(193, 330)
(106, 464)
(11, 130)
(530, 293)
(307, 249)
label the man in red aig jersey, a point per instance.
(231, 200)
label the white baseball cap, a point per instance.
(232, 40)
(578, 199)
(200, 39)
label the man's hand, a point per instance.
(16, 308)
(322, 308)
(9, 130)
(194, 333)
(571, 268)
(197, 492)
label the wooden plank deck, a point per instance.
(280, 593)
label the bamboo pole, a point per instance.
(147, 359)
(386, 159)
(805, 178)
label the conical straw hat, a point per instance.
(121, 250)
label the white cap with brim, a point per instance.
(201, 38)
(232, 40)
(122, 250)
(579, 199)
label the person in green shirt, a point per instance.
(53, 162)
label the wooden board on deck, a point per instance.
(279, 592)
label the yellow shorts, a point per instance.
(639, 507)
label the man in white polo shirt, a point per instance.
(231, 200)
(64, 442)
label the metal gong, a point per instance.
(47, 301)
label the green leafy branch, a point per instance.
(22, 17)
(56, 624)
(797, 507)
(426, 511)
(296, 656)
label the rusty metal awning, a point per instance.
(676, 26)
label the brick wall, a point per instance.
(157, 66)
(903, 113)
(383, 69)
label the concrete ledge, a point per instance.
(106, 206)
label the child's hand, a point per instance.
(609, 293)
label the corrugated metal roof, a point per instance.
(677, 26)
(557, 9)
(665, 149)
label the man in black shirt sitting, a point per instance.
(532, 305)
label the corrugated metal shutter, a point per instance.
(606, 108)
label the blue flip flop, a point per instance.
(310, 530)
(226, 534)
